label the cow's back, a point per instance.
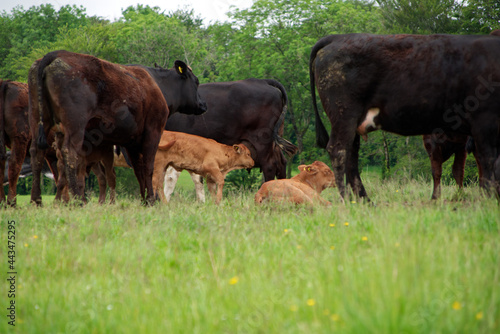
(188, 151)
(412, 78)
(236, 110)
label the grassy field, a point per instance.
(404, 265)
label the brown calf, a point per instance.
(304, 187)
(203, 156)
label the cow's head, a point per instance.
(318, 175)
(190, 101)
(243, 156)
(180, 88)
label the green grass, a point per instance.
(404, 265)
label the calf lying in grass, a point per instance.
(203, 156)
(305, 187)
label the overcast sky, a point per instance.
(209, 10)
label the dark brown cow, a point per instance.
(410, 85)
(440, 148)
(92, 104)
(14, 132)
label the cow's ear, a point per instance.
(181, 68)
(308, 169)
(237, 149)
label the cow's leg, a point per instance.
(160, 177)
(437, 171)
(171, 177)
(109, 171)
(18, 153)
(212, 187)
(75, 163)
(198, 186)
(353, 177)
(99, 172)
(340, 147)
(149, 147)
(268, 170)
(219, 180)
(52, 162)
(37, 158)
(60, 176)
(458, 168)
(488, 151)
(138, 166)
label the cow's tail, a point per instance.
(321, 133)
(46, 61)
(3, 95)
(166, 146)
(286, 146)
(470, 146)
(119, 150)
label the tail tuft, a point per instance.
(42, 139)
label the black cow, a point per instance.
(248, 111)
(410, 85)
(92, 104)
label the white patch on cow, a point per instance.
(171, 177)
(198, 186)
(368, 123)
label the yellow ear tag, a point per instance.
(180, 69)
(308, 169)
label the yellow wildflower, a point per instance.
(311, 302)
(364, 238)
(35, 237)
(332, 247)
(234, 280)
(294, 308)
(346, 224)
(456, 306)
(335, 317)
(479, 316)
(332, 225)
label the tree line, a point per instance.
(271, 39)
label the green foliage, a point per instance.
(271, 39)
(243, 180)
(420, 17)
(480, 16)
(25, 30)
